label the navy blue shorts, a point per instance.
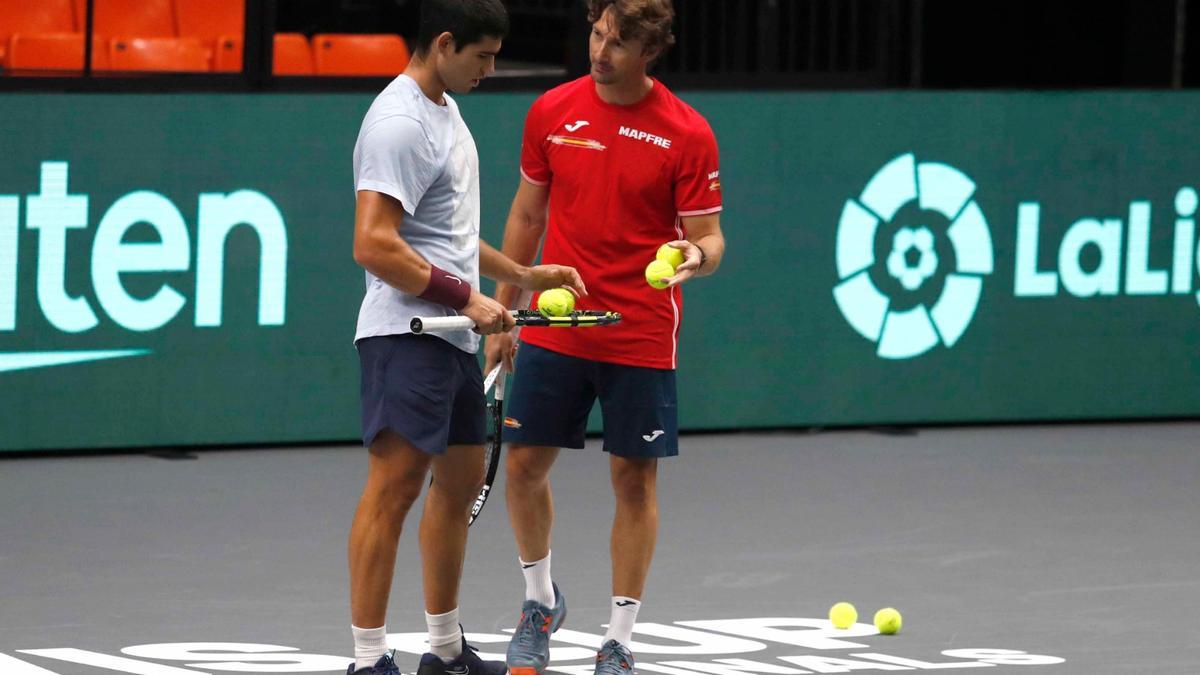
(423, 388)
(552, 395)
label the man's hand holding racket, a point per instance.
(500, 348)
(490, 317)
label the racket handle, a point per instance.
(445, 324)
(440, 324)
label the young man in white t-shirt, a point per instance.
(416, 177)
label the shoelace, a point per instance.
(607, 660)
(527, 631)
(390, 666)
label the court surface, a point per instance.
(1079, 545)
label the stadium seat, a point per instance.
(25, 17)
(209, 20)
(292, 54)
(178, 55)
(141, 18)
(227, 55)
(54, 51)
(335, 54)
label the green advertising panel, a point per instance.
(177, 270)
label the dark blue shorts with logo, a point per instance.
(552, 395)
(422, 388)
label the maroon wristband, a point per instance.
(446, 289)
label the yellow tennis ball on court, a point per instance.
(556, 302)
(658, 270)
(669, 254)
(843, 615)
(888, 621)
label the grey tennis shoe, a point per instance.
(614, 659)
(529, 649)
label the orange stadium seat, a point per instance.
(178, 55)
(227, 55)
(209, 20)
(383, 54)
(25, 17)
(141, 18)
(54, 51)
(292, 54)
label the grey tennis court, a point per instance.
(1019, 549)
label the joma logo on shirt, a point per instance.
(645, 136)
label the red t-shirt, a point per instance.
(620, 179)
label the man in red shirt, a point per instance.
(613, 165)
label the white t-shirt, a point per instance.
(423, 155)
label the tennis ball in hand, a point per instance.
(843, 615)
(657, 271)
(888, 621)
(669, 254)
(556, 302)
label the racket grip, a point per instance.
(439, 324)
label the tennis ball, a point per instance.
(556, 302)
(888, 621)
(658, 270)
(669, 254)
(843, 615)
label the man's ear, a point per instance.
(444, 41)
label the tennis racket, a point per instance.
(491, 458)
(495, 380)
(523, 317)
(495, 383)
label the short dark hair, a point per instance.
(469, 21)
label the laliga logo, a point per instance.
(909, 202)
(896, 291)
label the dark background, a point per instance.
(757, 44)
(852, 43)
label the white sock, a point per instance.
(445, 635)
(620, 623)
(369, 645)
(537, 581)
